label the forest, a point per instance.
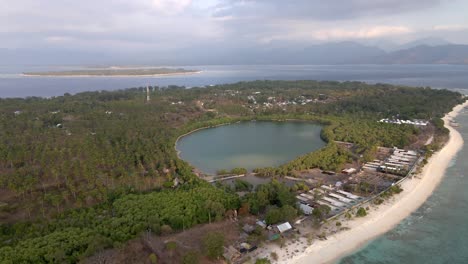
(77, 169)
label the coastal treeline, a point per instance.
(92, 170)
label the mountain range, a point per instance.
(424, 51)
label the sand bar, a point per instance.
(109, 76)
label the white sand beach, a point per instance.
(380, 219)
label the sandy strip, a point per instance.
(379, 219)
(111, 76)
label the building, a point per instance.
(262, 224)
(349, 171)
(248, 228)
(307, 209)
(284, 227)
(231, 254)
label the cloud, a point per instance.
(171, 7)
(362, 33)
(450, 27)
(319, 9)
(197, 26)
(58, 39)
(152, 23)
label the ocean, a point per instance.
(436, 233)
(13, 84)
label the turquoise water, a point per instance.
(249, 145)
(438, 231)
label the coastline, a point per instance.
(382, 218)
(100, 76)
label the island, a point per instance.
(95, 177)
(114, 72)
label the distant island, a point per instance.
(113, 72)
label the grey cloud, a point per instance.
(241, 28)
(319, 9)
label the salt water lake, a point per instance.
(249, 145)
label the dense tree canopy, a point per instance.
(82, 172)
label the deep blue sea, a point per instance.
(13, 84)
(435, 233)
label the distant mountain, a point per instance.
(445, 54)
(430, 41)
(348, 53)
(274, 53)
(338, 53)
(327, 53)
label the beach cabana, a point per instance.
(284, 227)
(306, 209)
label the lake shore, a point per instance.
(191, 132)
(119, 76)
(380, 219)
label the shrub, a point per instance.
(153, 258)
(263, 261)
(171, 245)
(274, 256)
(361, 212)
(192, 257)
(348, 215)
(213, 245)
(378, 201)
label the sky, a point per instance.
(171, 26)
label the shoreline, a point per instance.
(193, 131)
(388, 215)
(100, 76)
(380, 219)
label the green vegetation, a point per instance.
(275, 215)
(263, 261)
(395, 189)
(153, 258)
(321, 212)
(275, 198)
(361, 212)
(73, 233)
(331, 157)
(81, 173)
(213, 244)
(239, 171)
(301, 187)
(192, 257)
(235, 171)
(242, 186)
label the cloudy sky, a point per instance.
(172, 25)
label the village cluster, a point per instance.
(341, 192)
